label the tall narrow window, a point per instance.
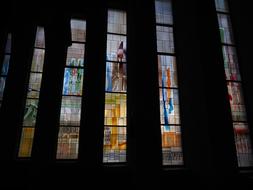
(234, 85)
(32, 97)
(72, 93)
(5, 67)
(168, 85)
(115, 113)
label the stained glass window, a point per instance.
(72, 93)
(32, 98)
(115, 113)
(5, 67)
(168, 85)
(234, 85)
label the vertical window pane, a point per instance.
(33, 93)
(163, 11)
(171, 144)
(243, 144)
(168, 85)
(8, 45)
(72, 94)
(115, 115)
(236, 101)
(34, 85)
(169, 106)
(73, 81)
(234, 85)
(25, 148)
(38, 60)
(70, 111)
(76, 55)
(2, 86)
(221, 5)
(116, 48)
(5, 67)
(78, 30)
(6, 62)
(225, 29)
(165, 41)
(68, 141)
(114, 144)
(116, 22)
(30, 112)
(116, 77)
(40, 38)
(167, 71)
(115, 109)
(231, 63)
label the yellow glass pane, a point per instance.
(25, 148)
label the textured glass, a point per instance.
(38, 60)
(5, 66)
(8, 45)
(171, 145)
(40, 38)
(234, 86)
(168, 85)
(116, 48)
(75, 56)
(70, 116)
(68, 141)
(163, 11)
(30, 112)
(167, 71)
(114, 144)
(115, 109)
(221, 5)
(165, 41)
(70, 111)
(243, 144)
(169, 106)
(231, 63)
(33, 92)
(115, 113)
(78, 30)
(34, 85)
(2, 86)
(116, 22)
(116, 78)
(73, 81)
(225, 29)
(26, 142)
(236, 101)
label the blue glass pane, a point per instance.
(5, 67)
(73, 81)
(163, 11)
(169, 106)
(2, 86)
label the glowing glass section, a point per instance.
(234, 86)
(72, 93)
(168, 85)
(115, 115)
(32, 98)
(5, 67)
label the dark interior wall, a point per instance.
(207, 134)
